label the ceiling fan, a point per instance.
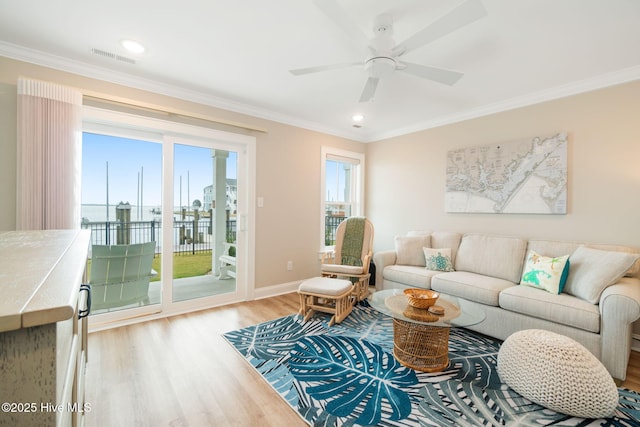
(384, 57)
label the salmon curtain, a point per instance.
(49, 152)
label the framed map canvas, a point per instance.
(516, 177)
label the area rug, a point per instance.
(346, 375)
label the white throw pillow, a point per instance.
(592, 270)
(438, 259)
(409, 249)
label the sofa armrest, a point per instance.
(626, 290)
(619, 308)
(381, 260)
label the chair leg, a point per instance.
(343, 308)
(306, 304)
(302, 305)
(362, 291)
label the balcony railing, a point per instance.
(331, 223)
(189, 237)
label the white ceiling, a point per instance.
(236, 55)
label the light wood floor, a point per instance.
(179, 371)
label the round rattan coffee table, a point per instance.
(421, 336)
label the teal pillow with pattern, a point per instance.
(438, 259)
(547, 273)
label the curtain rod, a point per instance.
(171, 113)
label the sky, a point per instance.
(129, 158)
(335, 181)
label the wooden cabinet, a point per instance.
(43, 336)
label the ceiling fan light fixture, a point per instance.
(132, 46)
(380, 67)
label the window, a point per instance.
(342, 190)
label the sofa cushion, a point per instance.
(552, 247)
(634, 271)
(470, 286)
(592, 270)
(438, 259)
(446, 239)
(546, 273)
(409, 275)
(409, 249)
(563, 309)
(495, 256)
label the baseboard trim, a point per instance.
(260, 293)
(272, 291)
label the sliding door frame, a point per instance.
(168, 133)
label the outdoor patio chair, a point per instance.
(120, 275)
(228, 261)
(352, 255)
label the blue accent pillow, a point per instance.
(546, 273)
(438, 259)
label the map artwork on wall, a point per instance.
(516, 177)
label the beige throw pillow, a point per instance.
(592, 270)
(409, 249)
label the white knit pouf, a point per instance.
(558, 373)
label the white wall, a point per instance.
(406, 175)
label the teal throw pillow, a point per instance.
(547, 273)
(438, 259)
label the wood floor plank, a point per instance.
(179, 371)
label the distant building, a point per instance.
(232, 196)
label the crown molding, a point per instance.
(100, 73)
(574, 88)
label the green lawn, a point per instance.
(185, 265)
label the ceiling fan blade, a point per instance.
(440, 75)
(337, 15)
(466, 13)
(369, 89)
(309, 70)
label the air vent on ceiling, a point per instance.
(111, 55)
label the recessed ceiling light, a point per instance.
(357, 117)
(132, 46)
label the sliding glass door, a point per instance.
(204, 221)
(184, 198)
(121, 185)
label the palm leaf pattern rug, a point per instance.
(346, 375)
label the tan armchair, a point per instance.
(352, 255)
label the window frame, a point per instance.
(357, 185)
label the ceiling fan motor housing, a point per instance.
(380, 66)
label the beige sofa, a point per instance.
(597, 307)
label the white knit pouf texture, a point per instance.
(558, 373)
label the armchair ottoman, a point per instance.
(327, 295)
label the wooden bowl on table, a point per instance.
(421, 298)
